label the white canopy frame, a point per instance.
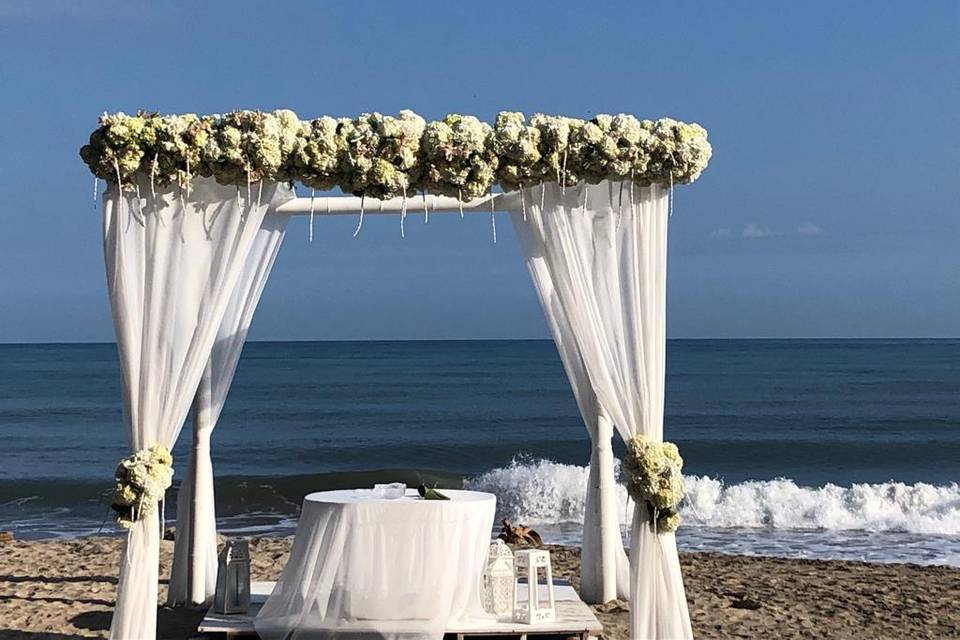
(608, 555)
(352, 205)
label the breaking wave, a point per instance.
(541, 491)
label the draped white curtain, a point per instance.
(603, 249)
(172, 264)
(196, 585)
(604, 573)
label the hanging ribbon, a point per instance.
(493, 218)
(563, 185)
(313, 193)
(670, 214)
(360, 223)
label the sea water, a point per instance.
(800, 448)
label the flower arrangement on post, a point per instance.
(142, 478)
(117, 146)
(654, 478)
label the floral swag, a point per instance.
(383, 156)
(654, 478)
(142, 478)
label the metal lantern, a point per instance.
(233, 578)
(499, 581)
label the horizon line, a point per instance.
(546, 339)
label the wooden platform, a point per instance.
(574, 618)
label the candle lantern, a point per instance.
(233, 578)
(499, 581)
(535, 610)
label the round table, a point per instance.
(368, 566)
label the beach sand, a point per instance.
(65, 589)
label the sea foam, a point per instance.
(541, 491)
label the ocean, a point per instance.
(798, 448)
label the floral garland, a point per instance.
(142, 479)
(385, 156)
(655, 478)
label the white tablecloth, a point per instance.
(364, 567)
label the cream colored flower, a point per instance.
(142, 479)
(668, 522)
(654, 473)
(379, 154)
(455, 157)
(517, 147)
(382, 156)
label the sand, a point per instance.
(65, 589)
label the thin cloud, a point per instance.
(753, 231)
(809, 230)
(721, 233)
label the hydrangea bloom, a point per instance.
(116, 147)
(380, 153)
(517, 146)
(142, 478)
(554, 148)
(384, 156)
(316, 154)
(456, 157)
(655, 478)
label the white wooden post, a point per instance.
(202, 472)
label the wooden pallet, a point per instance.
(574, 618)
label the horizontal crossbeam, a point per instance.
(344, 205)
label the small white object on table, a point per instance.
(391, 568)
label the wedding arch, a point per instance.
(193, 218)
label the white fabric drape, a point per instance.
(604, 573)
(604, 248)
(186, 587)
(172, 264)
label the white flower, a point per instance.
(142, 479)
(456, 159)
(517, 148)
(383, 156)
(654, 473)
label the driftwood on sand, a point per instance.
(519, 534)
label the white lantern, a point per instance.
(499, 581)
(535, 610)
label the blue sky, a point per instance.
(829, 209)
